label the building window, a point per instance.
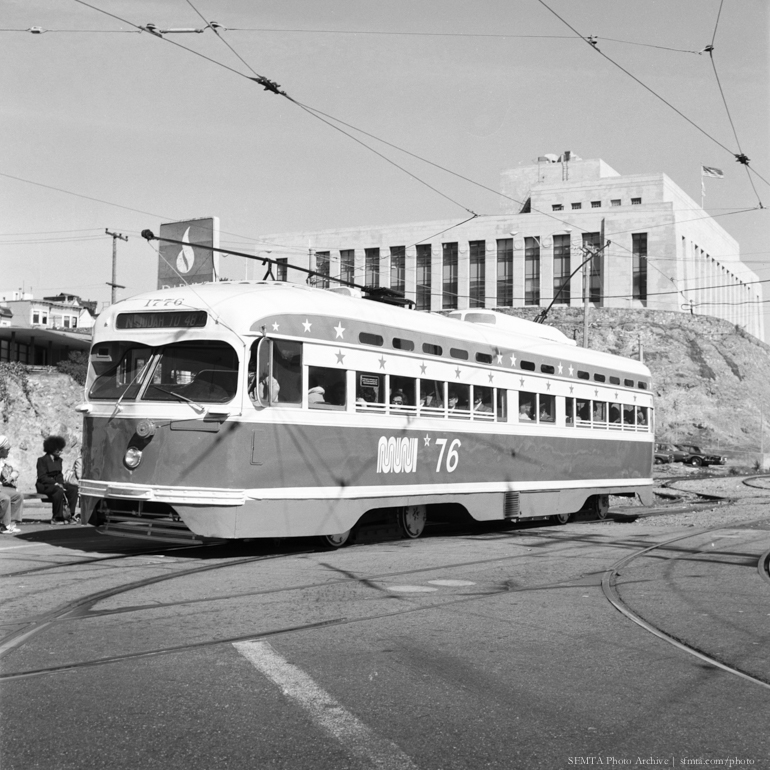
(423, 276)
(348, 265)
(591, 245)
(531, 271)
(577, 206)
(398, 268)
(372, 276)
(478, 273)
(639, 249)
(44, 319)
(636, 201)
(74, 323)
(557, 207)
(449, 255)
(282, 268)
(322, 268)
(596, 204)
(66, 321)
(615, 202)
(561, 269)
(36, 317)
(505, 272)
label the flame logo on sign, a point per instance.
(186, 257)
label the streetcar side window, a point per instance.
(326, 388)
(569, 412)
(403, 394)
(370, 392)
(600, 414)
(527, 407)
(642, 418)
(483, 403)
(614, 416)
(546, 408)
(583, 413)
(431, 397)
(628, 414)
(275, 372)
(458, 401)
(287, 370)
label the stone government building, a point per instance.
(666, 252)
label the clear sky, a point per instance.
(125, 119)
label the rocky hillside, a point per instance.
(34, 405)
(711, 382)
(711, 379)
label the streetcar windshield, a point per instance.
(117, 369)
(194, 371)
(204, 371)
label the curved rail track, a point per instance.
(609, 586)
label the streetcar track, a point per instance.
(610, 589)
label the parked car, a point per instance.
(676, 454)
(662, 457)
(695, 456)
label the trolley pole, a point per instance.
(114, 285)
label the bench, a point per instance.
(44, 498)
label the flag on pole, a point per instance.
(711, 171)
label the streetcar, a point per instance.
(266, 409)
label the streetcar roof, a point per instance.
(239, 306)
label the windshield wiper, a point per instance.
(194, 404)
(118, 405)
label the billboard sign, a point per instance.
(192, 261)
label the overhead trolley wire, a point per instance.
(740, 157)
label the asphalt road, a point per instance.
(462, 650)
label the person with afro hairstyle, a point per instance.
(50, 479)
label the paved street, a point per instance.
(465, 649)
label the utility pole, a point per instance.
(586, 277)
(114, 285)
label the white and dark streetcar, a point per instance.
(269, 409)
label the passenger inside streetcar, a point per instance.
(526, 407)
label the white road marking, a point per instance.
(12, 547)
(452, 583)
(412, 589)
(326, 712)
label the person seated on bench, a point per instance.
(50, 480)
(11, 500)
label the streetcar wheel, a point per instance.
(411, 520)
(602, 506)
(335, 541)
(561, 518)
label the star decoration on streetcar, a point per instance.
(491, 377)
(522, 382)
(571, 370)
(561, 368)
(340, 331)
(548, 385)
(457, 372)
(340, 356)
(382, 362)
(513, 360)
(423, 368)
(426, 440)
(307, 325)
(275, 326)
(499, 358)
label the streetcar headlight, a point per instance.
(132, 457)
